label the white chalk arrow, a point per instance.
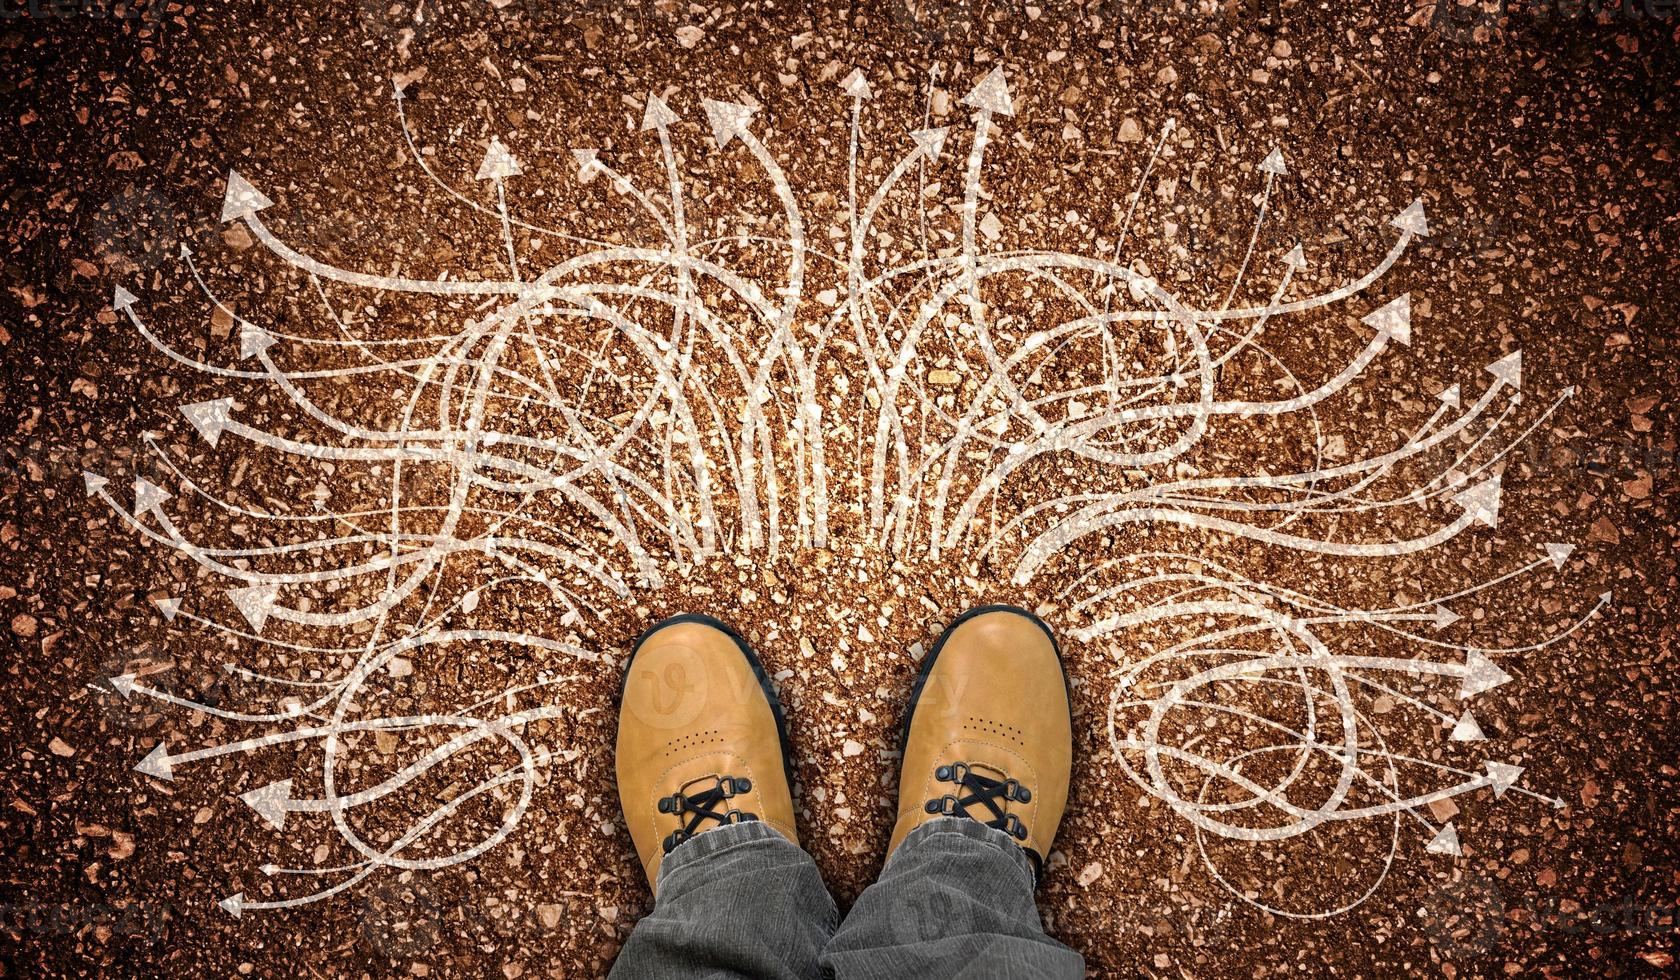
(233, 905)
(121, 299)
(170, 606)
(1508, 369)
(270, 802)
(856, 85)
(931, 141)
(1295, 258)
(992, 94)
(241, 199)
(1394, 318)
(1502, 776)
(1444, 842)
(498, 163)
(1480, 675)
(1559, 553)
(253, 340)
(1444, 617)
(658, 115)
(588, 165)
(123, 684)
(1467, 729)
(93, 482)
(1452, 398)
(1482, 501)
(254, 602)
(1412, 219)
(147, 495)
(156, 762)
(209, 418)
(1273, 164)
(728, 119)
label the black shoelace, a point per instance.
(976, 789)
(703, 805)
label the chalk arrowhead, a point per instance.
(1606, 596)
(1445, 841)
(1559, 553)
(1502, 776)
(1412, 219)
(588, 165)
(498, 163)
(93, 481)
(728, 119)
(241, 199)
(658, 115)
(1467, 729)
(1273, 164)
(992, 94)
(1452, 397)
(170, 606)
(931, 141)
(233, 905)
(1480, 675)
(123, 684)
(1508, 369)
(156, 763)
(856, 85)
(147, 495)
(253, 340)
(1295, 258)
(1445, 617)
(121, 299)
(270, 802)
(1394, 318)
(254, 602)
(396, 89)
(1482, 501)
(209, 418)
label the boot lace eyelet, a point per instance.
(981, 797)
(701, 801)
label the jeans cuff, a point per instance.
(975, 830)
(702, 846)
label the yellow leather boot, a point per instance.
(701, 742)
(989, 732)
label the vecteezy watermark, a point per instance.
(134, 231)
(1464, 918)
(404, 918)
(1480, 20)
(146, 921)
(941, 21)
(63, 467)
(392, 18)
(1468, 917)
(150, 11)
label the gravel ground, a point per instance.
(1543, 146)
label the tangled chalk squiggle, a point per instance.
(577, 428)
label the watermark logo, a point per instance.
(149, 11)
(406, 919)
(134, 231)
(1479, 21)
(402, 20)
(144, 921)
(1464, 918)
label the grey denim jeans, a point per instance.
(955, 899)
